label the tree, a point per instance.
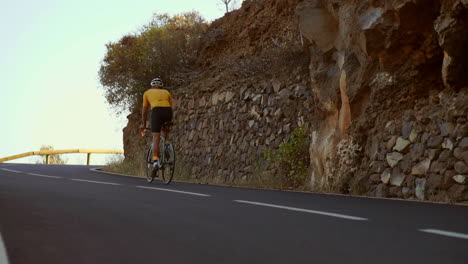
(163, 48)
(226, 3)
(53, 159)
(230, 4)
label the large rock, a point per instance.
(413, 137)
(438, 167)
(461, 167)
(397, 177)
(445, 155)
(463, 144)
(435, 141)
(381, 191)
(410, 181)
(459, 192)
(395, 191)
(406, 164)
(420, 188)
(406, 129)
(446, 128)
(406, 192)
(425, 137)
(317, 24)
(460, 179)
(434, 181)
(402, 145)
(421, 168)
(386, 175)
(448, 144)
(461, 155)
(417, 151)
(452, 29)
(393, 158)
(391, 143)
(460, 131)
(433, 154)
(448, 181)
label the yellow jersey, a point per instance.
(157, 98)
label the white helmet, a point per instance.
(157, 82)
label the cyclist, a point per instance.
(160, 101)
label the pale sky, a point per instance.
(50, 57)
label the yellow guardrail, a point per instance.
(47, 153)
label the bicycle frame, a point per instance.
(162, 142)
(165, 149)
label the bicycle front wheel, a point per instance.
(167, 172)
(149, 165)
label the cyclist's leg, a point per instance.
(167, 118)
(156, 123)
(168, 129)
(156, 140)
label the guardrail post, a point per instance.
(88, 160)
(47, 159)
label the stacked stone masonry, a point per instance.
(422, 159)
(227, 133)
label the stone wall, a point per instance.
(423, 155)
(225, 133)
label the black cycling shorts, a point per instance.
(159, 116)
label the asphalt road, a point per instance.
(69, 214)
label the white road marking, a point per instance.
(108, 183)
(15, 171)
(305, 210)
(3, 253)
(168, 190)
(445, 233)
(46, 176)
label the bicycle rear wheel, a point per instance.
(167, 171)
(149, 165)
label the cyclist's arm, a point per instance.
(144, 116)
(144, 113)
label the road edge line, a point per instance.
(3, 252)
(291, 191)
(444, 233)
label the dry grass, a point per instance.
(120, 165)
(261, 178)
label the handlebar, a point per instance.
(144, 130)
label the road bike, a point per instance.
(166, 164)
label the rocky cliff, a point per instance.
(391, 95)
(378, 85)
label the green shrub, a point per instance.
(292, 159)
(164, 48)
